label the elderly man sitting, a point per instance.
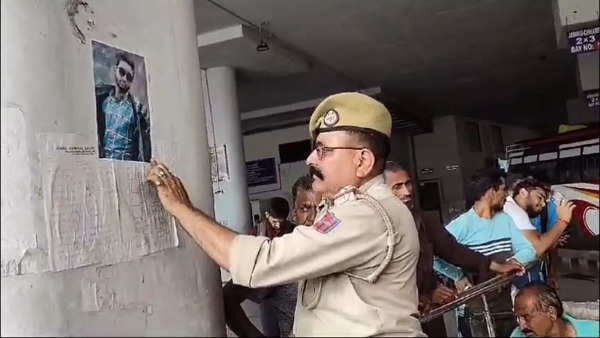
(539, 312)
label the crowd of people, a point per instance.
(358, 257)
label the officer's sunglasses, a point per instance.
(128, 75)
(322, 150)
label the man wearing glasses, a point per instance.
(357, 263)
(526, 203)
(123, 122)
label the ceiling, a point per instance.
(492, 59)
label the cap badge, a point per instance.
(331, 118)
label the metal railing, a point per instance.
(479, 290)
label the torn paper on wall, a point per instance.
(219, 166)
(98, 295)
(99, 211)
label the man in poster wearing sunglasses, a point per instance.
(123, 121)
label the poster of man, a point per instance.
(121, 104)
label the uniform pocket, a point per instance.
(310, 292)
(344, 309)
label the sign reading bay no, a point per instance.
(593, 98)
(584, 40)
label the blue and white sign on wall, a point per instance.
(584, 40)
(262, 175)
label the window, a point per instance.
(294, 151)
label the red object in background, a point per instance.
(585, 214)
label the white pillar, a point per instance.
(232, 207)
(48, 87)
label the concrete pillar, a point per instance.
(232, 207)
(48, 87)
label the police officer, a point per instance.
(357, 263)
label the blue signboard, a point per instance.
(584, 40)
(261, 172)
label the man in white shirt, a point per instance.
(528, 200)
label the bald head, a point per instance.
(537, 309)
(542, 296)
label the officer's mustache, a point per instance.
(316, 172)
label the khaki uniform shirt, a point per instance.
(356, 266)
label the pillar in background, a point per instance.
(232, 207)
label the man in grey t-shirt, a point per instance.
(279, 302)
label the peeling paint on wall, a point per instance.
(34, 260)
(72, 9)
(31, 258)
(20, 252)
(99, 293)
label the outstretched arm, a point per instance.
(448, 248)
(213, 238)
(305, 253)
(544, 242)
(445, 246)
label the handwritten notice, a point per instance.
(99, 211)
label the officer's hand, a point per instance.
(565, 210)
(462, 284)
(171, 191)
(442, 294)
(507, 267)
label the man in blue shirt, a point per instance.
(435, 240)
(123, 122)
(487, 229)
(539, 312)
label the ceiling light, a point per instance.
(262, 45)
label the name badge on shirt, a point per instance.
(327, 223)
